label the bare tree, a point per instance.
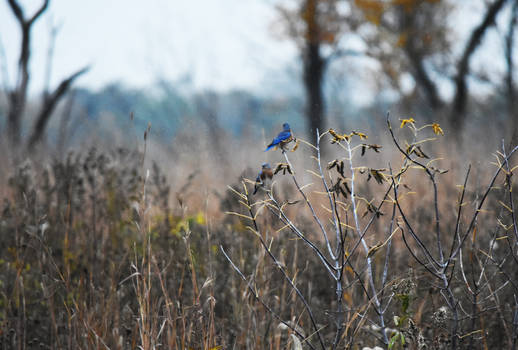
(420, 44)
(314, 25)
(458, 113)
(464, 268)
(511, 90)
(49, 104)
(18, 94)
(407, 38)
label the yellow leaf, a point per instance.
(200, 218)
(337, 137)
(407, 121)
(437, 129)
(360, 134)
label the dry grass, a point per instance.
(97, 251)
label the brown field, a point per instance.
(124, 248)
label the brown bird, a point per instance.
(265, 173)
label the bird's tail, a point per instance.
(258, 183)
(270, 146)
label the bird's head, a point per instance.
(266, 165)
(286, 127)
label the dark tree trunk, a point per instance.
(422, 77)
(314, 67)
(458, 113)
(18, 97)
(511, 91)
(416, 58)
(16, 108)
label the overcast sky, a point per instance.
(221, 44)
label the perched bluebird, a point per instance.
(265, 173)
(283, 138)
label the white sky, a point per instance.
(222, 44)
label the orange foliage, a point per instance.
(373, 9)
(402, 40)
(320, 21)
(309, 16)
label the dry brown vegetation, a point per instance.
(110, 250)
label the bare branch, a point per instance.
(39, 12)
(258, 298)
(49, 104)
(17, 10)
(310, 206)
(284, 273)
(18, 97)
(461, 90)
(481, 203)
(422, 76)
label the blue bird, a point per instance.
(265, 173)
(283, 138)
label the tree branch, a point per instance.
(39, 12)
(17, 10)
(461, 93)
(49, 104)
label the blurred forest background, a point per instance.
(350, 62)
(97, 170)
